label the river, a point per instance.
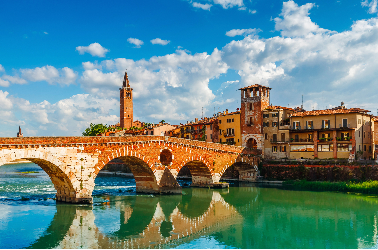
(243, 216)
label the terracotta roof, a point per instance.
(279, 107)
(255, 86)
(230, 113)
(330, 112)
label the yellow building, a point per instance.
(229, 128)
(276, 129)
(332, 133)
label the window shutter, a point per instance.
(323, 123)
(329, 123)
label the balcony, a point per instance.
(344, 126)
(301, 140)
(279, 141)
(343, 138)
(325, 139)
(228, 135)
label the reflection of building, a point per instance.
(254, 99)
(229, 128)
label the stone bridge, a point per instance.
(73, 163)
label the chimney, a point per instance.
(226, 111)
(196, 119)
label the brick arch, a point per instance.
(201, 173)
(65, 182)
(150, 176)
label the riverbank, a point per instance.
(366, 187)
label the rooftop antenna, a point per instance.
(202, 112)
(377, 112)
(302, 102)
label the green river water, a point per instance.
(243, 216)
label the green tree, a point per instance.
(162, 121)
(95, 129)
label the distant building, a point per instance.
(229, 128)
(19, 134)
(126, 104)
(159, 129)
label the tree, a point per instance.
(162, 121)
(95, 129)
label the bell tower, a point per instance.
(126, 104)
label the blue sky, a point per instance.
(61, 64)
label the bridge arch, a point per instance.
(201, 174)
(65, 182)
(151, 176)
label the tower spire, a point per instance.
(126, 83)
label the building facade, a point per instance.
(276, 128)
(229, 128)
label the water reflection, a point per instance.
(238, 217)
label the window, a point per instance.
(359, 133)
(265, 124)
(302, 148)
(266, 136)
(275, 115)
(283, 149)
(344, 147)
(326, 123)
(274, 137)
(230, 131)
(282, 137)
(220, 140)
(274, 149)
(296, 125)
(205, 137)
(211, 126)
(359, 147)
(250, 106)
(369, 148)
(309, 137)
(232, 119)
(265, 115)
(364, 137)
(228, 120)
(152, 132)
(359, 121)
(364, 147)
(325, 147)
(211, 136)
(345, 123)
(309, 125)
(220, 131)
(274, 124)
(250, 120)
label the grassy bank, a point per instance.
(366, 187)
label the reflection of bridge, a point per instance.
(74, 162)
(145, 222)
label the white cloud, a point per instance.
(372, 5)
(45, 33)
(14, 79)
(4, 83)
(229, 3)
(50, 74)
(95, 49)
(135, 41)
(252, 11)
(296, 20)
(202, 6)
(171, 87)
(5, 103)
(2, 68)
(159, 41)
(239, 32)
(90, 65)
